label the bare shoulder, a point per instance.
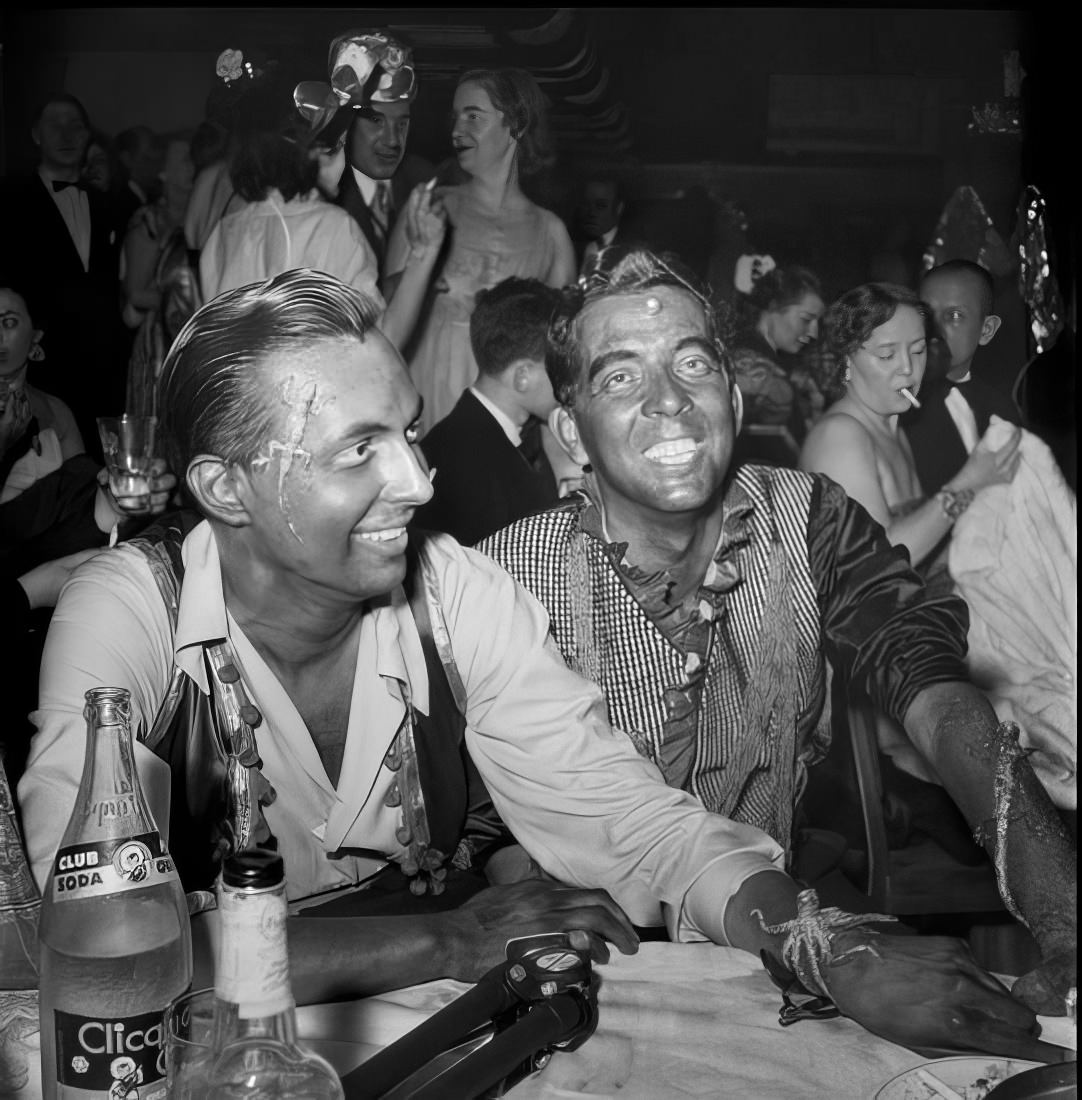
(835, 435)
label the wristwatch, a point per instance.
(954, 501)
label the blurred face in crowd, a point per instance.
(653, 412)
(955, 299)
(792, 327)
(377, 139)
(178, 173)
(480, 135)
(330, 497)
(332, 163)
(145, 163)
(97, 171)
(600, 209)
(893, 358)
(62, 136)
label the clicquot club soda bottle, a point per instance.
(116, 945)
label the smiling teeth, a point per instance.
(672, 451)
(382, 536)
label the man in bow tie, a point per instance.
(61, 249)
(600, 211)
(956, 410)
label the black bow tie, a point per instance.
(59, 185)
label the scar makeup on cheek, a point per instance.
(303, 400)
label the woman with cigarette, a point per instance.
(878, 337)
(500, 138)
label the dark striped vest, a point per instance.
(770, 630)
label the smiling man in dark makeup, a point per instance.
(703, 600)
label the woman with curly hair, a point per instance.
(779, 318)
(877, 338)
(500, 138)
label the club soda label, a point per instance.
(111, 867)
(121, 1058)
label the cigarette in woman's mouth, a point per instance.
(909, 397)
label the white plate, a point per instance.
(968, 1078)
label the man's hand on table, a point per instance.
(489, 919)
(928, 993)
(1044, 989)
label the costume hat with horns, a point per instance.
(366, 67)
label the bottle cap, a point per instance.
(253, 869)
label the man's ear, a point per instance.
(218, 489)
(737, 399)
(522, 373)
(989, 327)
(563, 426)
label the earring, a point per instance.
(37, 353)
(848, 376)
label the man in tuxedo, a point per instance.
(956, 409)
(487, 453)
(61, 249)
(378, 176)
(600, 211)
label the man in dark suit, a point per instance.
(378, 176)
(600, 209)
(489, 467)
(956, 409)
(61, 250)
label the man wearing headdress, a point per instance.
(378, 176)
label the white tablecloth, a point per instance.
(675, 1021)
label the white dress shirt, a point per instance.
(585, 805)
(74, 208)
(961, 412)
(593, 249)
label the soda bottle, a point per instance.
(116, 945)
(256, 1052)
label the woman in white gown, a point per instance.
(499, 136)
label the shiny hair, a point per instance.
(635, 271)
(212, 393)
(516, 94)
(510, 321)
(851, 320)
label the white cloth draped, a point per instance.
(1013, 556)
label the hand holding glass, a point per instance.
(128, 444)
